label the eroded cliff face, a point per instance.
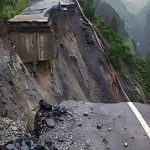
(79, 70)
(18, 94)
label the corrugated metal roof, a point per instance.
(29, 18)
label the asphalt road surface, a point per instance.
(100, 127)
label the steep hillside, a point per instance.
(110, 17)
(119, 7)
(114, 19)
(146, 40)
(130, 20)
(133, 23)
(144, 19)
(131, 69)
(88, 76)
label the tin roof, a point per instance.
(29, 18)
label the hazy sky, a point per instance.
(134, 6)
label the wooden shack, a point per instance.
(33, 37)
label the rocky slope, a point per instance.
(18, 94)
(139, 21)
(132, 24)
(89, 75)
(144, 19)
(110, 16)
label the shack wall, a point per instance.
(34, 46)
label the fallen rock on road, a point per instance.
(66, 127)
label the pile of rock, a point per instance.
(47, 116)
(10, 130)
(28, 143)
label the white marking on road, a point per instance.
(140, 118)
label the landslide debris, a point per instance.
(10, 129)
(83, 125)
(46, 117)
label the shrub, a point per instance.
(9, 8)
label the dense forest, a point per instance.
(9, 8)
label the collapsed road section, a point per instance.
(87, 126)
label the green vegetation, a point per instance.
(128, 42)
(9, 8)
(119, 51)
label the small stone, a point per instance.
(99, 126)
(32, 144)
(7, 121)
(17, 145)
(55, 148)
(79, 124)
(50, 122)
(132, 137)
(109, 129)
(10, 146)
(105, 140)
(85, 114)
(61, 138)
(14, 128)
(39, 114)
(29, 135)
(44, 105)
(125, 128)
(107, 147)
(125, 144)
(60, 110)
(42, 143)
(61, 119)
(32, 147)
(104, 123)
(23, 143)
(24, 147)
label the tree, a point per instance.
(1, 5)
